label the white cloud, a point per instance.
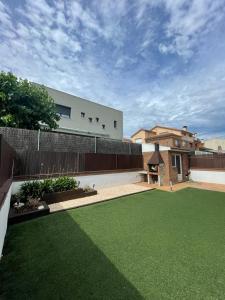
(186, 22)
(197, 100)
(114, 52)
(189, 22)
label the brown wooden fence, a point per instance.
(38, 163)
(7, 155)
(101, 162)
(47, 163)
(208, 161)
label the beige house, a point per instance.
(167, 136)
(165, 153)
(81, 116)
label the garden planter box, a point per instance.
(67, 195)
(17, 217)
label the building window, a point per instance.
(90, 120)
(82, 114)
(97, 120)
(115, 124)
(103, 126)
(138, 141)
(173, 160)
(177, 143)
(183, 143)
(63, 111)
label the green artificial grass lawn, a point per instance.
(153, 245)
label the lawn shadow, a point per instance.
(53, 258)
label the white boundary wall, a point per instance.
(100, 180)
(4, 211)
(208, 176)
(150, 147)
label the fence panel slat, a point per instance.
(51, 163)
(214, 161)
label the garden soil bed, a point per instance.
(67, 195)
(18, 217)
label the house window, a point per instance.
(82, 114)
(115, 124)
(173, 160)
(103, 126)
(183, 143)
(63, 111)
(97, 120)
(90, 120)
(138, 141)
(177, 143)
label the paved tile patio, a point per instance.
(103, 195)
(183, 185)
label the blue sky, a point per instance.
(160, 61)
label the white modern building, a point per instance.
(81, 116)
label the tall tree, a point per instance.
(24, 104)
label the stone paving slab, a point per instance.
(103, 195)
(183, 185)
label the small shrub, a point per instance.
(35, 189)
(32, 202)
(30, 189)
(46, 186)
(64, 184)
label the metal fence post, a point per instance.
(38, 145)
(95, 144)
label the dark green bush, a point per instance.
(35, 189)
(64, 184)
(46, 186)
(30, 189)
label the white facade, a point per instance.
(86, 117)
(150, 147)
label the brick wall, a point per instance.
(185, 165)
(173, 170)
(168, 173)
(23, 139)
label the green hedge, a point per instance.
(36, 189)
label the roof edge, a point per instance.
(141, 129)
